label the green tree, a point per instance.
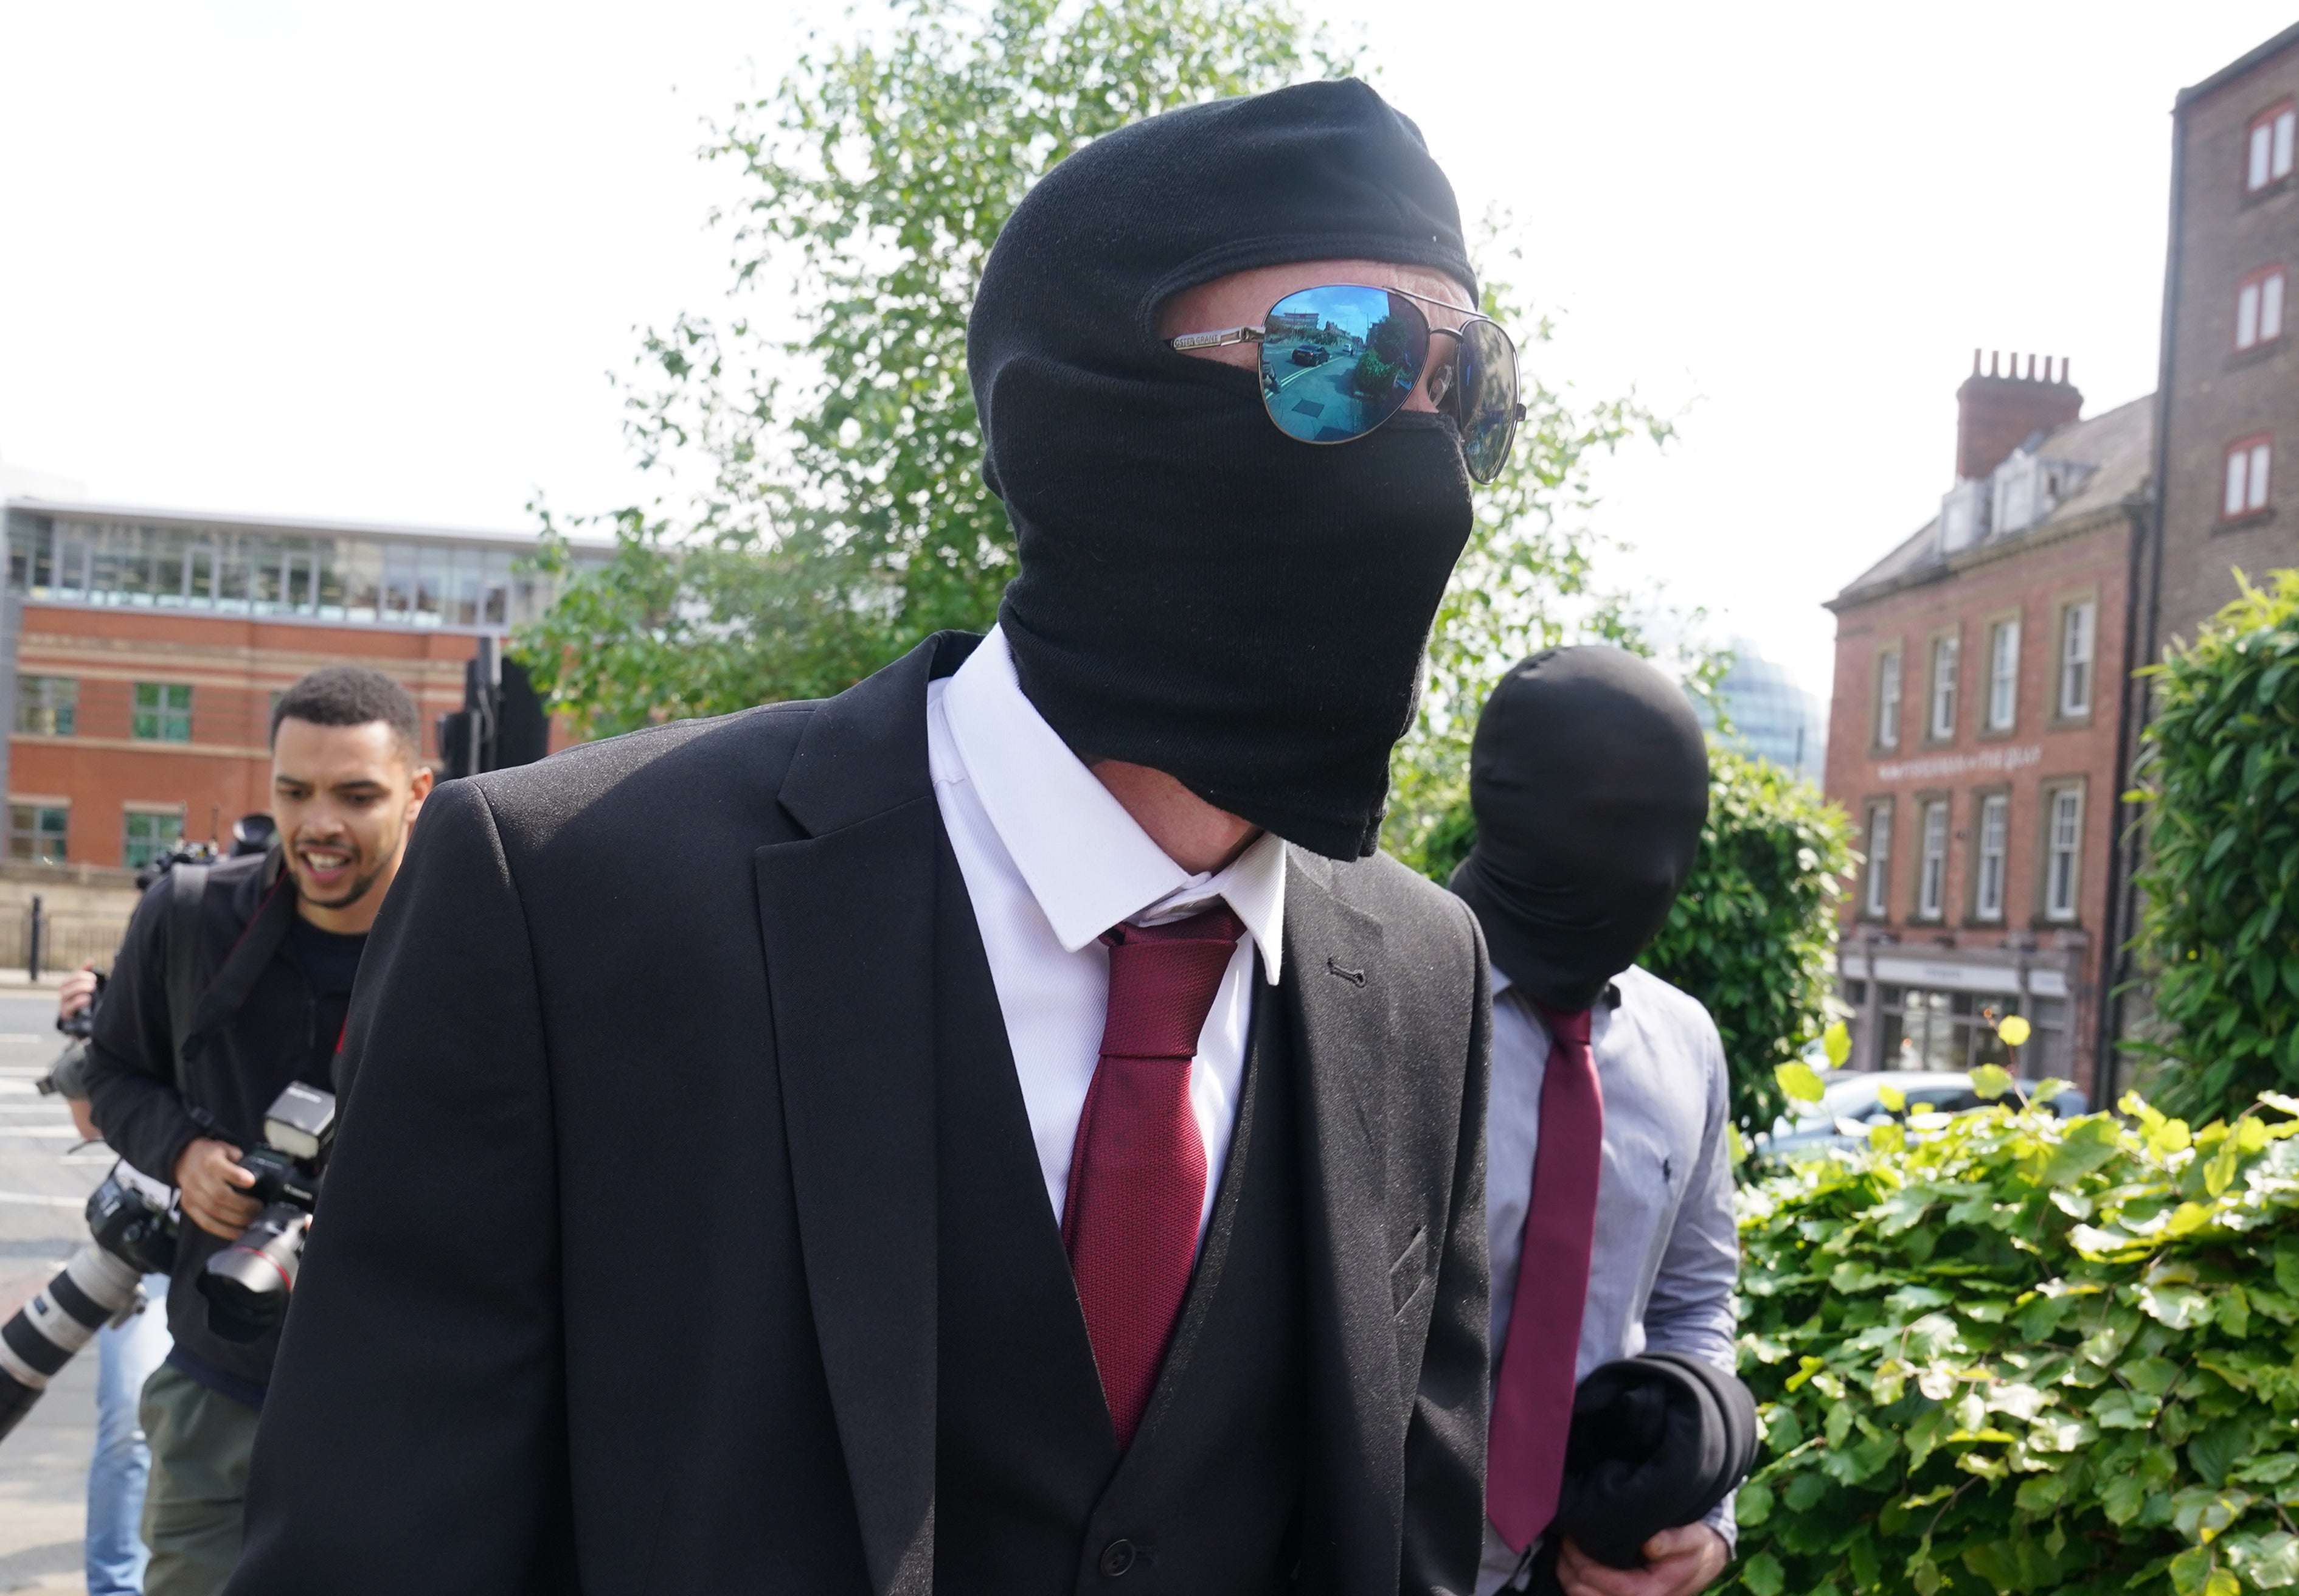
(844, 517)
(2218, 771)
(1752, 935)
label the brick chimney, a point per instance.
(1996, 413)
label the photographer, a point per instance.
(126, 1355)
(216, 1002)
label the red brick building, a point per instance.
(148, 647)
(1974, 736)
(2228, 418)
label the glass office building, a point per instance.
(356, 575)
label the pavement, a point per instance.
(42, 1182)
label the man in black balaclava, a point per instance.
(1063, 1164)
(1609, 1181)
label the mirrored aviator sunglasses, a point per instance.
(1337, 361)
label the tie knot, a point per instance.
(1568, 1026)
(1162, 981)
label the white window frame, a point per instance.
(1878, 899)
(1941, 716)
(2250, 476)
(2268, 148)
(2003, 675)
(1931, 869)
(2078, 641)
(2258, 307)
(2062, 853)
(1995, 829)
(1890, 687)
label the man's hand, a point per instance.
(1677, 1563)
(83, 1121)
(76, 993)
(212, 1182)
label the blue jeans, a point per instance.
(126, 1357)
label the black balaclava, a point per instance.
(1590, 779)
(1199, 593)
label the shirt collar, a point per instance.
(1085, 860)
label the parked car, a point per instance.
(1853, 1095)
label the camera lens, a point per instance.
(248, 1283)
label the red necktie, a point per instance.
(1138, 1169)
(1532, 1403)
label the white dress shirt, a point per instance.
(1667, 1253)
(1051, 861)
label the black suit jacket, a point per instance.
(624, 1280)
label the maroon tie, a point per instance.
(1532, 1403)
(1138, 1169)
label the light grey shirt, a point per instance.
(1667, 1253)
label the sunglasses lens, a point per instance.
(1485, 398)
(1336, 362)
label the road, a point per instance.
(42, 1182)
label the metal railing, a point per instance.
(38, 940)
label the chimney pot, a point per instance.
(1975, 362)
(1996, 414)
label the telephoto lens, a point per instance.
(91, 1290)
(247, 1284)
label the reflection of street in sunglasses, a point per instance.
(1336, 362)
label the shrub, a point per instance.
(2219, 929)
(1752, 935)
(2008, 1352)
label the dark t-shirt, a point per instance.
(330, 963)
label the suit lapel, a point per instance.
(1334, 954)
(847, 916)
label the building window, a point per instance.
(2267, 151)
(1888, 699)
(1931, 880)
(1876, 899)
(36, 832)
(1931, 1030)
(2258, 308)
(48, 706)
(2062, 853)
(163, 712)
(148, 834)
(1995, 828)
(1943, 715)
(2003, 675)
(2249, 463)
(2077, 632)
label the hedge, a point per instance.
(2218, 771)
(2003, 1352)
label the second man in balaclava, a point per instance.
(1061, 1163)
(1608, 1175)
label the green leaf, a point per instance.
(1836, 1043)
(1892, 1098)
(1991, 1081)
(1799, 1081)
(1763, 1575)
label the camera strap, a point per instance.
(188, 885)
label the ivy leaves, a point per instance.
(2219, 928)
(2018, 1353)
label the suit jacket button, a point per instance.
(1116, 1558)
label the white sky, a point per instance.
(374, 262)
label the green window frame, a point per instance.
(37, 832)
(48, 706)
(146, 834)
(163, 712)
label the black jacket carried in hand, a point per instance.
(626, 1274)
(244, 1055)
